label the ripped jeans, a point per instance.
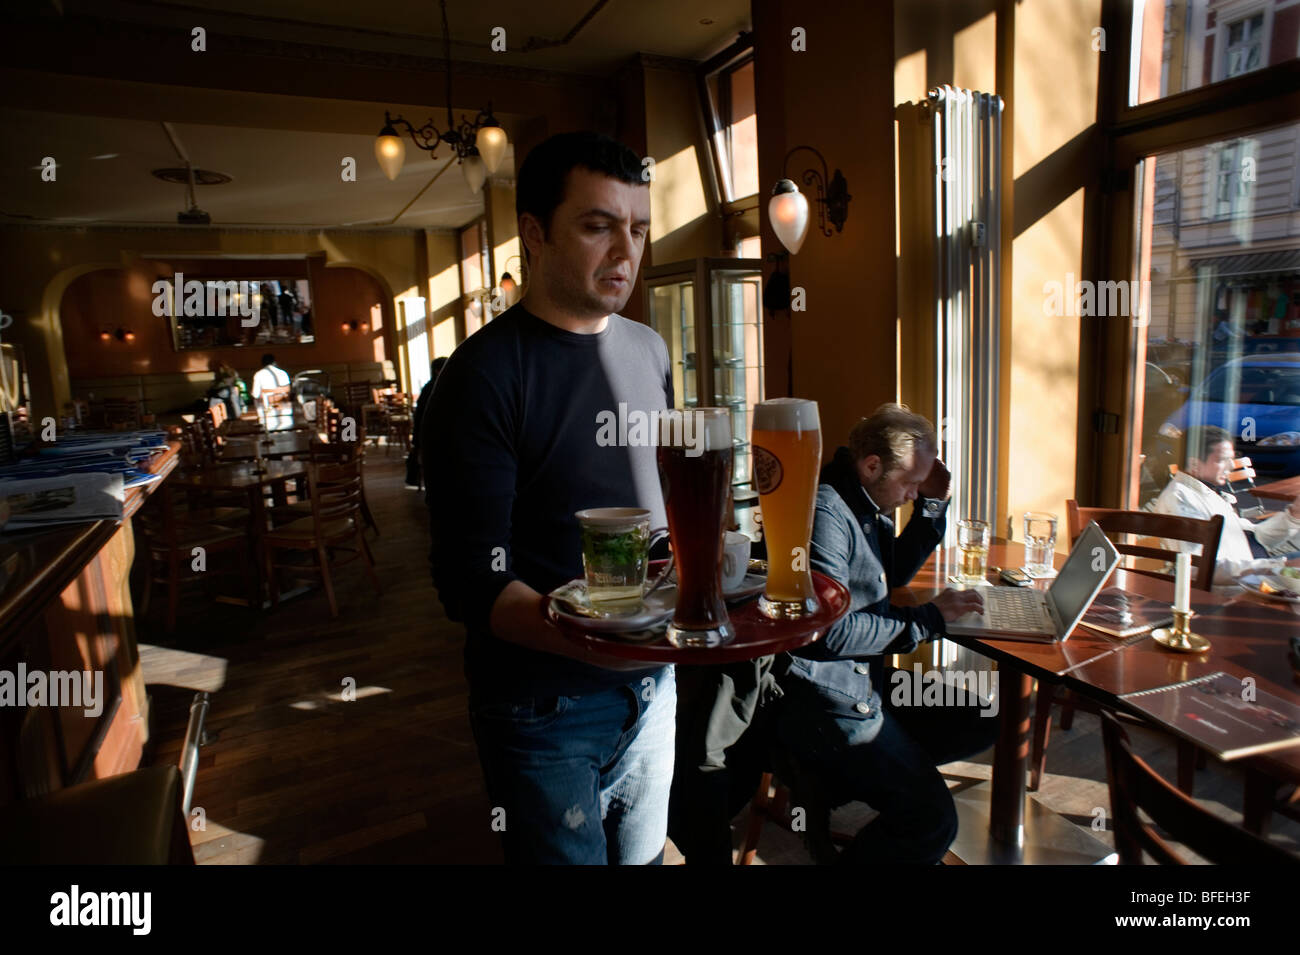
(581, 779)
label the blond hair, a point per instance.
(892, 432)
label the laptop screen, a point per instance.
(1083, 575)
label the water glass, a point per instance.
(1040, 542)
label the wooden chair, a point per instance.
(1136, 786)
(278, 400)
(1153, 530)
(1241, 482)
(772, 801)
(218, 413)
(335, 523)
(398, 414)
(172, 536)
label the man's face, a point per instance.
(587, 265)
(894, 488)
(1217, 464)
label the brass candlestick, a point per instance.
(1180, 636)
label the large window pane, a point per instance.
(1219, 234)
(1181, 45)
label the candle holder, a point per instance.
(1179, 637)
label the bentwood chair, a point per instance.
(334, 525)
(1241, 482)
(173, 538)
(1135, 786)
(1154, 532)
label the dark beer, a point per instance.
(695, 470)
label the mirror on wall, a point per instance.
(235, 309)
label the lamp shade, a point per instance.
(390, 151)
(475, 171)
(787, 210)
(491, 142)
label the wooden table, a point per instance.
(1288, 489)
(245, 477)
(252, 423)
(1248, 636)
(279, 444)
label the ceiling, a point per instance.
(613, 29)
(284, 153)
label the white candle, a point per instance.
(1183, 582)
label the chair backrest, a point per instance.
(356, 393)
(1153, 530)
(218, 413)
(335, 490)
(1136, 786)
(276, 397)
(1241, 482)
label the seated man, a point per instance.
(1200, 491)
(832, 720)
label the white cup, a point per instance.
(735, 561)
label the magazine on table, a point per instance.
(66, 499)
(1222, 715)
(1123, 614)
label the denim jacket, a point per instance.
(854, 543)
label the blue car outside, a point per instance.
(1264, 420)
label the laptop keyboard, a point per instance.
(1011, 608)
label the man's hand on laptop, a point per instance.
(957, 603)
(937, 482)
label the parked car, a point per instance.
(1257, 401)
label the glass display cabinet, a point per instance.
(710, 313)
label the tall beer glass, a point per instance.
(695, 471)
(787, 449)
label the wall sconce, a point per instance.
(353, 325)
(787, 210)
(121, 334)
(508, 284)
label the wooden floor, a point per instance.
(294, 773)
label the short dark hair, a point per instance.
(539, 187)
(435, 366)
(268, 359)
(1200, 439)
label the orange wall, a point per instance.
(112, 298)
(834, 97)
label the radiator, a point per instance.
(950, 226)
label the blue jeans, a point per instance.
(581, 779)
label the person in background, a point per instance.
(271, 375)
(228, 388)
(833, 722)
(421, 405)
(1200, 490)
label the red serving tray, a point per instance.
(756, 635)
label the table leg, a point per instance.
(1011, 759)
(257, 517)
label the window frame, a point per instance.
(733, 58)
(1126, 134)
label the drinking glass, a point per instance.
(787, 450)
(973, 544)
(1040, 541)
(616, 544)
(694, 457)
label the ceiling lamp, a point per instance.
(483, 140)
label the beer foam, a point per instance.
(786, 414)
(694, 430)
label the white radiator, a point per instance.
(950, 160)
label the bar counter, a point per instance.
(65, 605)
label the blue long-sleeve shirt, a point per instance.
(854, 543)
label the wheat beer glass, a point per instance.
(695, 471)
(787, 445)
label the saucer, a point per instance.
(572, 602)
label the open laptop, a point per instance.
(1021, 613)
